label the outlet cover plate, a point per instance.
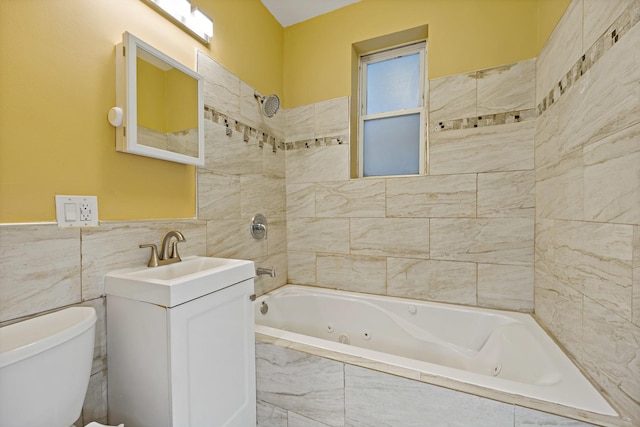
(77, 211)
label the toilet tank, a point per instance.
(45, 364)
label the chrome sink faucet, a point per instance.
(167, 256)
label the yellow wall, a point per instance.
(151, 96)
(58, 82)
(548, 15)
(464, 35)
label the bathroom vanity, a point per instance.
(180, 344)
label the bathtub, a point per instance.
(501, 355)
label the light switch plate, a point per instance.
(77, 211)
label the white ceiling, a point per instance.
(289, 12)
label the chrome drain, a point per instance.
(497, 369)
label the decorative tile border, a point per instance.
(485, 120)
(626, 21)
(317, 142)
(210, 113)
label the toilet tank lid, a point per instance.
(24, 339)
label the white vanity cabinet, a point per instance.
(192, 364)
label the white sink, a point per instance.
(174, 284)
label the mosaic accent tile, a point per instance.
(443, 281)
(229, 154)
(599, 15)
(620, 27)
(318, 142)
(485, 120)
(561, 51)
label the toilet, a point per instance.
(45, 364)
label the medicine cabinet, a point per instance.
(159, 108)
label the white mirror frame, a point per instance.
(126, 101)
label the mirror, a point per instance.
(159, 105)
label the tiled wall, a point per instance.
(587, 151)
(462, 234)
(296, 389)
(244, 174)
(46, 268)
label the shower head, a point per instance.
(270, 104)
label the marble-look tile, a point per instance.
(218, 195)
(507, 287)
(525, 417)
(329, 163)
(221, 87)
(329, 235)
(444, 281)
(558, 306)
(486, 240)
(265, 283)
(606, 98)
(547, 141)
(262, 194)
(299, 123)
(308, 385)
(432, 196)
(296, 420)
(301, 200)
(302, 268)
(400, 237)
(40, 267)
(507, 88)
(377, 399)
(231, 238)
(274, 164)
(251, 113)
(485, 149)
(230, 154)
(611, 346)
(596, 260)
(100, 343)
(332, 117)
(95, 401)
(636, 275)
(113, 246)
(506, 194)
(560, 188)
(352, 273)
(353, 198)
(612, 178)
(270, 416)
(561, 51)
(452, 97)
(598, 16)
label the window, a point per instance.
(391, 117)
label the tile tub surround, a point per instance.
(322, 388)
(462, 234)
(587, 173)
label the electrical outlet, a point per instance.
(77, 211)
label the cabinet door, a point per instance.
(213, 359)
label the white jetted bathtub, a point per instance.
(494, 350)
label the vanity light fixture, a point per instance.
(188, 17)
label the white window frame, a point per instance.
(395, 52)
